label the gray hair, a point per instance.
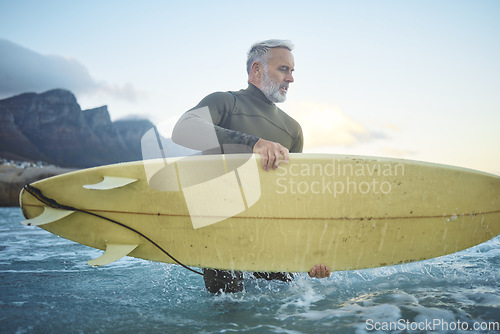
(259, 51)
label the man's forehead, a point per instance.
(281, 56)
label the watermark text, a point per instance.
(337, 178)
(438, 325)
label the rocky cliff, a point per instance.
(51, 127)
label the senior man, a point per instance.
(250, 119)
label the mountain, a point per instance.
(52, 127)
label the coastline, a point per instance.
(15, 175)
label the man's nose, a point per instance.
(289, 77)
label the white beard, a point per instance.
(271, 89)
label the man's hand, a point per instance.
(320, 271)
(271, 153)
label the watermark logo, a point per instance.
(219, 188)
(433, 325)
(337, 177)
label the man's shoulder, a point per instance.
(232, 95)
(217, 101)
(219, 97)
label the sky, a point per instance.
(416, 80)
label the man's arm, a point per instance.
(196, 130)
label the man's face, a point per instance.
(277, 74)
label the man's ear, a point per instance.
(256, 68)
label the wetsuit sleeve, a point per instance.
(202, 128)
(298, 143)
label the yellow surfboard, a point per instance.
(347, 212)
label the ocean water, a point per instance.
(46, 287)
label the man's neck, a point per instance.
(257, 92)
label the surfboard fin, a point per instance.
(113, 253)
(110, 182)
(49, 215)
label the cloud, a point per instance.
(392, 126)
(324, 125)
(23, 70)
